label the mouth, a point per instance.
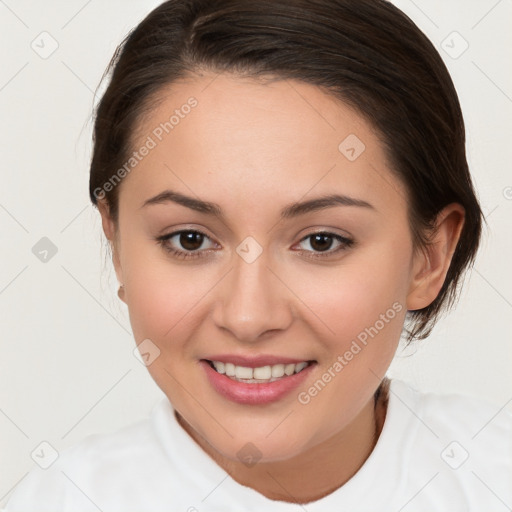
(258, 375)
(257, 381)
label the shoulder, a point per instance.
(83, 474)
(460, 445)
(457, 413)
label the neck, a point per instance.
(320, 470)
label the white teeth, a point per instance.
(278, 370)
(263, 373)
(219, 366)
(242, 372)
(289, 369)
(300, 367)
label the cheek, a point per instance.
(359, 310)
(352, 297)
(163, 305)
(161, 295)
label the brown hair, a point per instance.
(366, 53)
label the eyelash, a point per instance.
(185, 255)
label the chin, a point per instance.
(259, 450)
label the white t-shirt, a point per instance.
(435, 453)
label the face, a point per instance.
(252, 280)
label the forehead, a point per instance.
(223, 136)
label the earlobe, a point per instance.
(432, 262)
(120, 293)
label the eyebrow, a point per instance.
(289, 211)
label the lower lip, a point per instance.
(254, 394)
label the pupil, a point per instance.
(191, 241)
(318, 239)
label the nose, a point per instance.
(252, 301)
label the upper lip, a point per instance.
(255, 361)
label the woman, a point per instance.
(285, 189)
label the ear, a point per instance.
(109, 228)
(431, 264)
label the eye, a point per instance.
(190, 240)
(322, 242)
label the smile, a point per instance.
(255, 385)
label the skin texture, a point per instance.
(254, 148)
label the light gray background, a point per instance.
(67, 362)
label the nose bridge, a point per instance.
(253, 301)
